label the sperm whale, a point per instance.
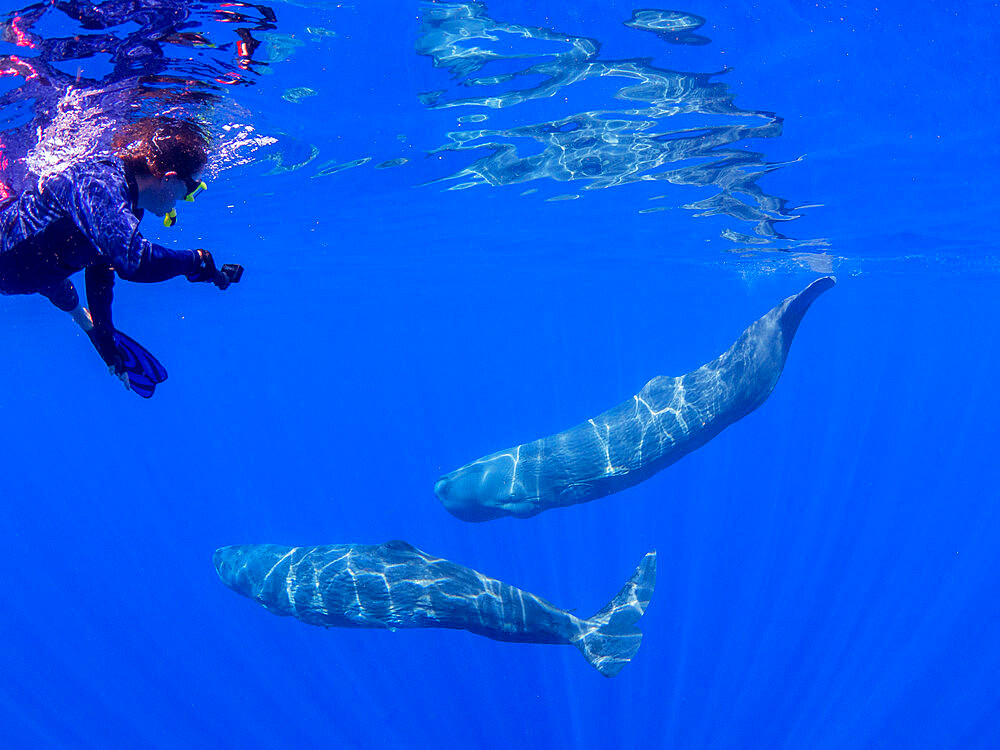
(669, 418)
(395, 585)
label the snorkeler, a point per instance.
(86, 218)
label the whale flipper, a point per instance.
(611, 638)
(667, 419)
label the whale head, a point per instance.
(253, 569)
(479, 491)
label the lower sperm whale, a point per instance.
(395, 585)
(666, 420)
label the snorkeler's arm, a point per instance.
(98, 201)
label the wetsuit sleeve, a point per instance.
(99, 205)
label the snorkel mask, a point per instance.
(194, 189)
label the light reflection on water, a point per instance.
(654, 125)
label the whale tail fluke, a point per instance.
(610, 638)
(795, 307)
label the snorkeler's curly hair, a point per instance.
(157, 145)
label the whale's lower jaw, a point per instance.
(476, 510)
(479, 508)
(473, 513)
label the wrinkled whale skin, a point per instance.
(394, 585)
(669, 418)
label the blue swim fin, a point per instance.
(143, 369)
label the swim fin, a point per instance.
(143, 370)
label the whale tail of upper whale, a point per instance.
(794, 308)
(610, 638)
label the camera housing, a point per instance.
(232, 271)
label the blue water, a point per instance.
(828, 566)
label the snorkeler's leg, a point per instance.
(136, 367)
(65, 297)
(100, 281)
(81, 315)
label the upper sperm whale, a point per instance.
(666, 420)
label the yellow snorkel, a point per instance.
(194, 189)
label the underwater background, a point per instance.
(467, 226)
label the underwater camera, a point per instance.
(232, 271)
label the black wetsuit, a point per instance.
(84, 218)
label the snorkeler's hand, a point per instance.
(206, 271)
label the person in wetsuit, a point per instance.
(86, 218)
